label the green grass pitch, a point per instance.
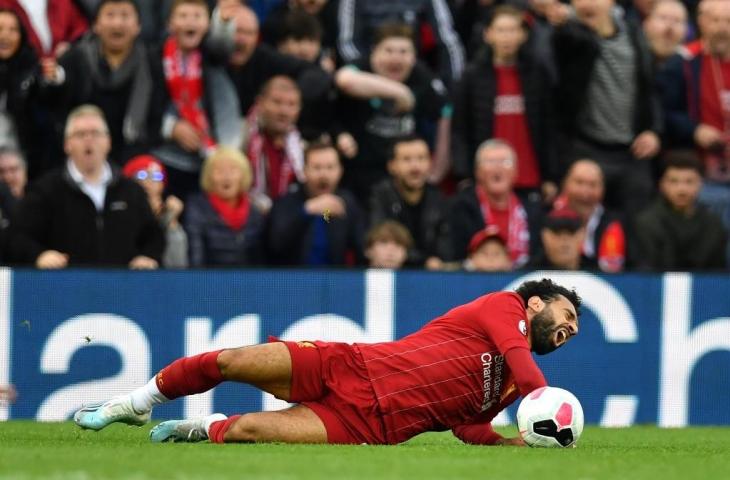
(56, 451)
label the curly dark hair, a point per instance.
(548, 291)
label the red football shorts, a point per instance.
(331, 379)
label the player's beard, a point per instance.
(542, 331)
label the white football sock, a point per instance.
(147, 396)
(211, 419)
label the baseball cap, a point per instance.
(487, 233)
(563, 219)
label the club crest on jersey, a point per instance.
(523, 327)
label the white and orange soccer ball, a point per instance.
(550, 417)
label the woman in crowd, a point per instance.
(18, 65)
(151, 174)
(224, 228)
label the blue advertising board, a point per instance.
(652, 348)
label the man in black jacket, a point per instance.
(406, 198)
(113, 70)
(676, 232)
(608, 106)
(85, 213)
(317, 224)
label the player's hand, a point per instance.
(512, 442)
(142, 262)
(51, 260)
(646, 145)
(186, 136)
(347, 145)
(327, 203)
(707, 136)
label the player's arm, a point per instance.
(528, 376)
(482, 433)
(502, 318)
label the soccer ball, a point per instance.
(550, 417)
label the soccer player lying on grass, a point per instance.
(457, 372)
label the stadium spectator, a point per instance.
(488, 252)
(677, 232)
(506, 93)
(151, 175)
(359, 21)
(666, 29)
(605, 245)
(492, 201)
(301, 38)
(272, 140)
(562, 241)
(318, 223)
(224, 227)
(387, 96)
(13, 171)
(387, 245)
(18, 85)
(202, 109)
(8, 206)
(252, 65)
(609, 110)
(153, 15)
(52, 25)
(407, 198)
(111, 69)
(325, 11)
(696, 94)
(86, 213)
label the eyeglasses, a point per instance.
(154, 176)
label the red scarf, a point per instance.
(518, 235)
(184, 78)
(233, 216)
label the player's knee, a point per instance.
(225, 361)
(244, 430)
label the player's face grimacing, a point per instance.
(552, 324)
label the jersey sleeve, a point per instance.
(502, 318)
(528, 376)
(480, 433)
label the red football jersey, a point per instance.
(453, 372)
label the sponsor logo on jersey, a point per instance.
(523, 327)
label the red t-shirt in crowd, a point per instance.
(715, 108)
(510, 124)
(458, 372)
(711, 97)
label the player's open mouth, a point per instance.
(561, 336)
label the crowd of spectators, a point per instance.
(478, 135)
